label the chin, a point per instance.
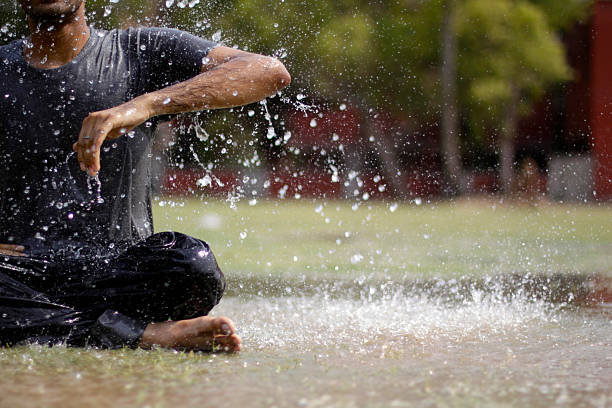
(50, 10)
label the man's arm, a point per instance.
(228, 78)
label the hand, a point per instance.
(107, 124)
(13, 250)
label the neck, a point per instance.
(55, 43)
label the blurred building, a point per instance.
(601, 98)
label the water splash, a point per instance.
(94, 182)
(306, 323)
(300, 105)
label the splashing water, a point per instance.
(300, 105)
(94, 182)
(307, 323)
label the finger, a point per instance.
(89, 149)
(77, 149)
(226, 327)
(93, 133)
(79, 153)
(11, 253)
(83, 142)
(12, 247)
(96, 147)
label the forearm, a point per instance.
(232, 78)
(241, 81)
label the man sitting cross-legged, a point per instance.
(79, 263)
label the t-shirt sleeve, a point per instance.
(167, 56)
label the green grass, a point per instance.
(335, 240)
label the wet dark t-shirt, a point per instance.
(45, 199)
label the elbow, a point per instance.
(283, 78)
(280, 76)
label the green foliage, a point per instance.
(505, 44)
(562, 14)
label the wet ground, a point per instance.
(333, 351)
(454, 304)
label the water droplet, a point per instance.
(393, 207)
(271, 133)
(167, 101)
(343, 107)
(243, 235)
(169, 3)
(313, 123)
(356, 258)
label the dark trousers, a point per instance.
(108, 301)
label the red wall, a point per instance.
(601, 102)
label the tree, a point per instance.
(509, 55)
(449, 129)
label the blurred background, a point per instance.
(393, 99)
(445, 236)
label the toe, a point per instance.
(224, 326)
(230, 343)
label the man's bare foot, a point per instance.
(204, 333)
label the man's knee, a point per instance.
(205, 271)
(194, 262)
(180, 274)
